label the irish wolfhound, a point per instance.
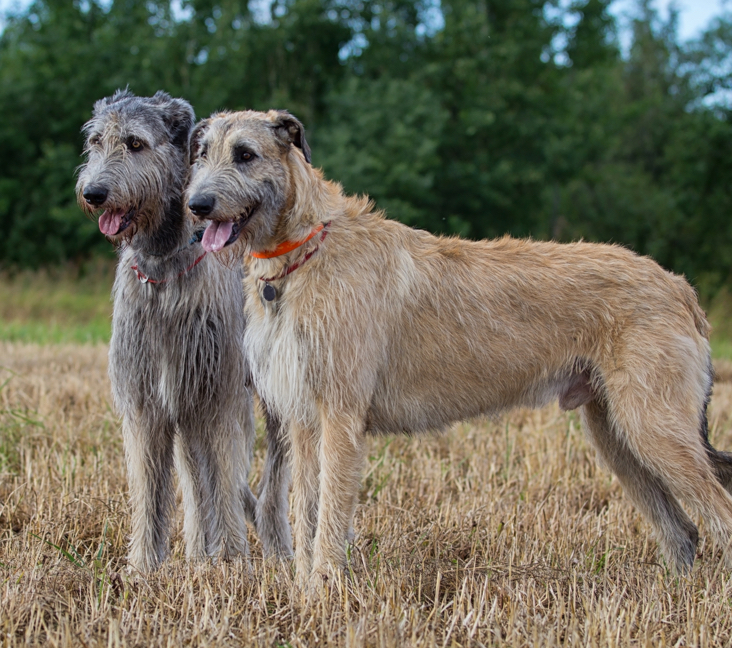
(357, 323)
(176, 360)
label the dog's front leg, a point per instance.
(213, 464)
(273, 525)
(341, 459)
(305, 476)
(149, 452)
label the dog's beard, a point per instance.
(229, 257)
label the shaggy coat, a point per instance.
(176, 361)
(385, 329)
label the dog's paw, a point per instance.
(326, 578)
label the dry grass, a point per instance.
(500, 533)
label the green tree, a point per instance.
(56, 59)
(627, 111)
(478, 117)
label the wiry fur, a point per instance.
(391, 329)
(176, 361)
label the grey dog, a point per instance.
(179, 375)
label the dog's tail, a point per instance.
(721, 461)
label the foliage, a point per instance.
(477, 117)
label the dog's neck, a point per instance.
(172, 233)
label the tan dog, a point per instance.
(372, 326)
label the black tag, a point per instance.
(269, 293)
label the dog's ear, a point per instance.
(178, 117)
(118, 95)
(196, 136)
(291, 131)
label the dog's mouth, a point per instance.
(113, 222)
(220, 234)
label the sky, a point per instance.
(694, 14)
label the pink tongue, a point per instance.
(109, 221)
(216, 235)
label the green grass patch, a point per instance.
(15, 424)
(55, 333)
(719, 313)
(721, 348)
(72, 305)
(66, 305)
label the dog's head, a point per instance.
(136, 161)
(246, 168)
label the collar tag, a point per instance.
(269, 292)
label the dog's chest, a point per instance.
(165, 347)
(279, 351)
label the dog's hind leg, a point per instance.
(213, 465)
(249, 501)
(658, 409)
(192, 473)
(273, 525)
(675, 531)
(689, 475)
(149, 452)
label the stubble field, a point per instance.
(501, 532)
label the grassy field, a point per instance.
(57, 306)
(501, 532)
(72, 305)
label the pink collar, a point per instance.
(145, 279)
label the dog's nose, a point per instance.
(95, 196)
(201, 205)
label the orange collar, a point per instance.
(287, 246)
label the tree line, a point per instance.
(474, 117)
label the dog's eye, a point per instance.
(134, 144)
(93, 141)
(203, 154)
(242, 155)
